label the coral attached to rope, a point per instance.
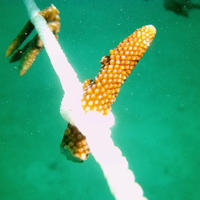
(87, 107)
(29, 52)
(100, 93)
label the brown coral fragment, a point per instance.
(101, 93)
(29, 52)
(23, 34)
(76, 143)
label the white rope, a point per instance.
(93, 125)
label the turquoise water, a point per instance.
(157, 111)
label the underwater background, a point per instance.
(157, 113)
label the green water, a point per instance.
(157, 111)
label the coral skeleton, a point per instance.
(87, 107)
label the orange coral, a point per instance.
(101, 93)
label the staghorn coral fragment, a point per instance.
(29, 55)
(50, 14)
(23, 34)
(101, 93)
(29, 52)
(76, 143)
(33, 48)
